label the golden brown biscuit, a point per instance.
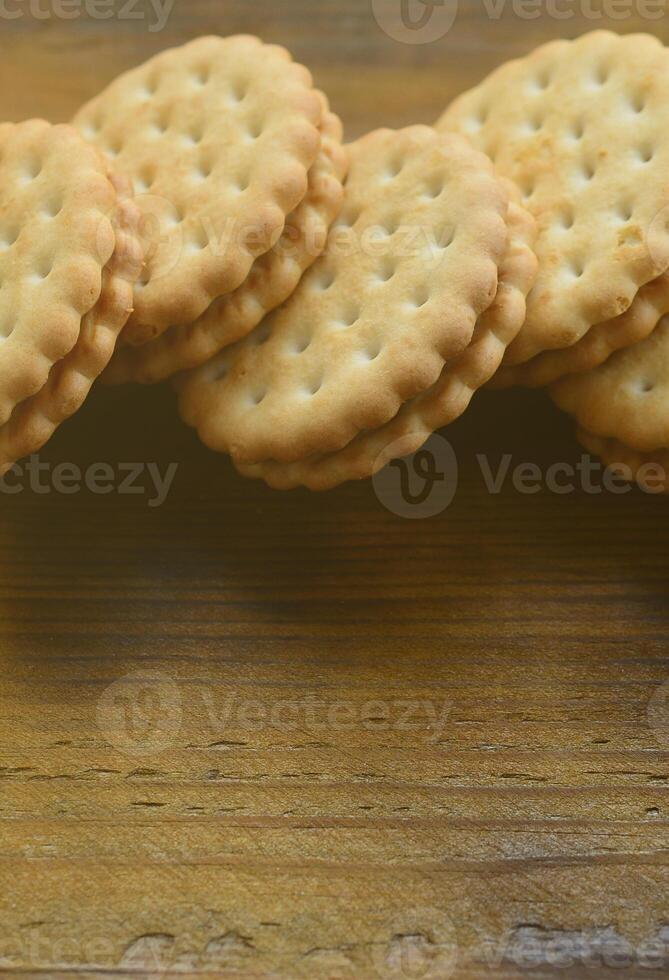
(217, 137)
(582, 128)
(405, 274)
(446, 400)
(272, 279)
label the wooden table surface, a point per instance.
(255, 734)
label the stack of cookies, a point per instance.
(238, 166)
(580, 127)
(322, 309)
(306, 347)
(69, 254)
(183, 204)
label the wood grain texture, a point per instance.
(251, 734)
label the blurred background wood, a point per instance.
(254, 734)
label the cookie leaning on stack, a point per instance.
(218, 137)
(448, 397)
(272, 278)
(69, 256)
(582, 128)
(409, 266)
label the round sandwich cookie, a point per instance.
(63, 219)
(272, 278)
(34, 420)
(582, 128)
(408, 268)
(218, 137)
(446, 400)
